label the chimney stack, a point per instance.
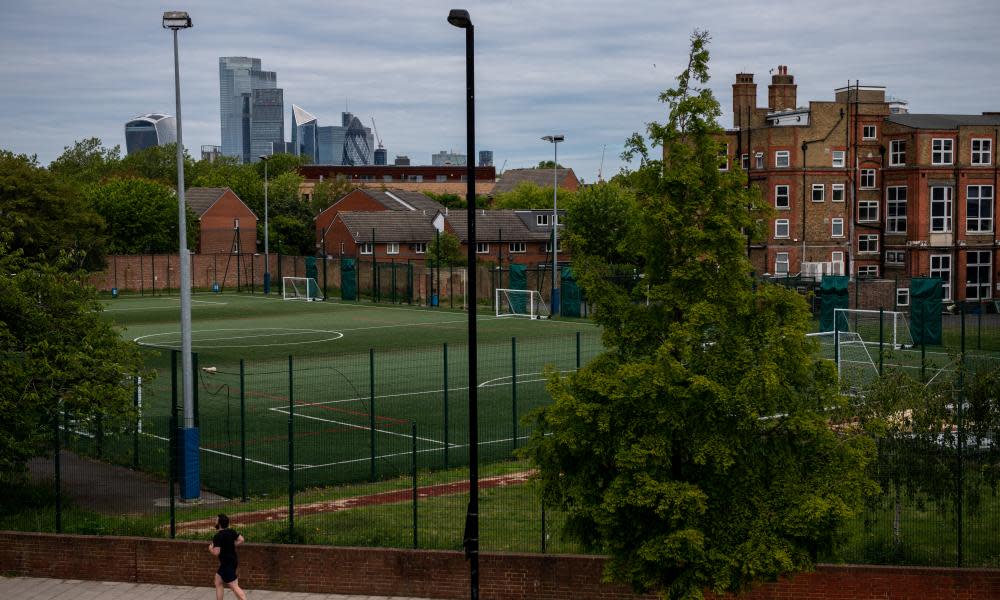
(744, 99)
(782, 91)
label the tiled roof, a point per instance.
(404, 200)
(390, 226)
(512, 178)
(200, 199)
(928, 121)
(500, 225)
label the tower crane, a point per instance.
(375, 129)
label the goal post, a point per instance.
(887, 327)
(300, 288)
(520, 303)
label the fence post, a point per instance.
(577, 350)
(371, 406)
(413, 471)
(100, 434)
(243, 431)
(194, 389)
(142, 278)
(136, 381)
(513, 390)
(881, 325)
(923, 342)
(172, 442)
(960, 480)
(291, 452)
(543, 528)
(836, 343)
(451, 285)
(56, 463)
(446, 405)
(979, 326)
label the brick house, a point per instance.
(386, 234)
(509, 236)
(220, 213)
(372, 200)
(512, 178)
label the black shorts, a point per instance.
(227, 573)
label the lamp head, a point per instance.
(176, 19)
(263, 157)
(555, 139)
(460, 18)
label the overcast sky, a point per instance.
(590, 70)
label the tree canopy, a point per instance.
(696, 450)
(141, 215)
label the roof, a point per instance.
(501, 225)
(200, 199)
(512, 178)
(301, 115)
(929, 121)
(389, 226)
(404, 200)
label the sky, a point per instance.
(589, 70)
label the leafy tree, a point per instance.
(528, 195)
(293, 236)
(86, 161)
(695, 451)
(600, 222)
(548, 164)
(447, 249)
(228, 172)
(278, 164)
(141, 216)
(328, 191)
(45, 216)
(456, 201)
(157, 163)
(56, 353)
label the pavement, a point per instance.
(33, 588)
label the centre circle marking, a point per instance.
(333, 335)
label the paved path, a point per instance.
(30, 588)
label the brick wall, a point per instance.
(436, 574)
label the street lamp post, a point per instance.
(461, 19)
(555, 139)
(190, 443)
(267, 262)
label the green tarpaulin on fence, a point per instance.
(313, 276)
(518, 280)
(832, 295)
(348, 279)
(569, 301)
(926, 294)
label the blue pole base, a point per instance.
(267, 282)
(555, 302)
(189, 473)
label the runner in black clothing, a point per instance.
(224, 546)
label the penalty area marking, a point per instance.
(143, 340)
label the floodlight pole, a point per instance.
(555, 139)
(267, 262)
(190, 443)
(460, 18)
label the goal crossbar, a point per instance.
(300, 288)
(520, 303)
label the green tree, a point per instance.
(695, 451)
(227, 172)
(600, 222)
(45, 215)
(292, 236)
(86, 161)
(141, 216)
(447, 249)
(278, 164)
(156, 163)
(328, 191)
(548, 164)
(56, 353)
(528, 195)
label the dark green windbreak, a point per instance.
(570, 299)
(926, 294)
(518, 281)
(348, 279)
(313, 275)
(832, 295)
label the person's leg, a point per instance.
(219, 588)
(235, 586)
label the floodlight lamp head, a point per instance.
(176, 19)
(460, 18)
(555, 139)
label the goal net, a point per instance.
(520, 303)
(300, 288)
(887, 327)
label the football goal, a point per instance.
(300, 288)
(520, 303)
(887, 327)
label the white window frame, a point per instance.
(902, 296)
(786, 195)
(981, 223)
(868, 243)
(745, 162)
(821, 188)
(941, 268)
(867, 271)
(897, 153)
(420, 248)
(482, 247)
(869, 132)
(778, 223)
(867, 179)
(548, 246)
(941, 208)
(942, 151)
(542, 220)
(837, 187)
(724, 156)
(983, 155)
(781, 259)
(759, 160)
(517, 247)
(837, 225)
(365, 248)
(979, 275)
(837, 262)
(392, 248)
(837, 159)
(895, 257)
(782, 156)
(868, 211)
(895, 209)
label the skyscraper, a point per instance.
(305, 133)
(358, 141)
(149, 130)
(242, 86)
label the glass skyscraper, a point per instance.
(149, 130)
(305, 134)
(247, 93)
(348, 144)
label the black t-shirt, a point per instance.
(225, 541)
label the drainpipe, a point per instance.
(802, 258)
(996, 182)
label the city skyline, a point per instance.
(584, 70)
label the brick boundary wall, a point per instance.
(436, 574)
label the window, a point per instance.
(306, 197)
(902, 296)
(979, 209)
(838, 158)
(440, 178)
(868, 211)
(781, 158)
(940, 209)
(895, 218)
(867, 178)
(781, 228)
(420, 248)
(781, 263)
(895, 257)
(977, 274)
(819, 192)
(482, 248)
(517, 247)
(724, 158)
(867, 271)
(365, 248)
(387, 178)
(837, 227)
(941, 268)
(982, 152)
(868, 242)
(837, 263)
(759, 160)
(942, 151)
(868, 132)
(745, 162)
(392, 248)
(897, 153)
(781, 196)
(548, 246)
(837, 192)
(541, 220)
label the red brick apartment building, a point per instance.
(860, 186)
(221, 214)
